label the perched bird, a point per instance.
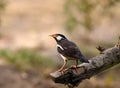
(68, 50)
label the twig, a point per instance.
(101, 49)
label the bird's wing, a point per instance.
(70, 49)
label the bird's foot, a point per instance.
(61, 71)
(75, 67)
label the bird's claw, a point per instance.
(62, 72)
(74, 67)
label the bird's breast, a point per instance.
(63, 57)
(66, 58)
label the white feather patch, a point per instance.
(63, 57)
(60, 47)
(59, 38)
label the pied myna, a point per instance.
(68, 50)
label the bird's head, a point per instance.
(58, 37)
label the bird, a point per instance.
(68, 50)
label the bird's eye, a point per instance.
(59, 38)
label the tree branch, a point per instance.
(104, 61)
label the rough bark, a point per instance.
(72, 77)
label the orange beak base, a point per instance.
(54, 35)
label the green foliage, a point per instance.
(25, 59)
(109, 78)
(85, 9)
(71, 23)
(2, 7)
(82, 7)
(113, 2)
(2, 4)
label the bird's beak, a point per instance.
(53, 35)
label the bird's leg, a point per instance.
(76, 63)
(75, 66)
(61, 69)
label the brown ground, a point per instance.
(10, 77)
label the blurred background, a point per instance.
(28, 54)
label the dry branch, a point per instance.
(71, 77)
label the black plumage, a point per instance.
(68, 50)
